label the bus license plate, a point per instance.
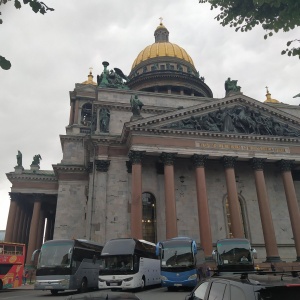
(177, 284)
(113, 284)
(49, 287)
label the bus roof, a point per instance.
(126, 246)
(74, 241)
(11, 244)
(234, 240)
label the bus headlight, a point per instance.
(101, 280)
(163, 278)
(65, 282)
(128, 279)
(193, 277)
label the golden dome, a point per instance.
(90, 79)
(269, 99)
(162, 50)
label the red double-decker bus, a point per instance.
(12, 258)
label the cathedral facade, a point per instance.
(154, 155)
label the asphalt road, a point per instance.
(149, 294)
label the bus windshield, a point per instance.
(116, 263)
(234, 252)
(56, 254)
(177, 256)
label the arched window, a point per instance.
(149, 217)
(243, 217)
(88, 116)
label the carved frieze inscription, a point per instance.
(240, 147)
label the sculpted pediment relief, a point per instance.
(237, 119)
(234, 116)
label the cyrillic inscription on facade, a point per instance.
(236, 147)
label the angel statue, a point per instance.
(19, 159)
(36, 160)
(136, 105)
(231, 86)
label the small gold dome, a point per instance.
(160, 50)
(90, 79)
(269, 99)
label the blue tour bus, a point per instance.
(178, 262)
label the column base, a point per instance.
(270, 259)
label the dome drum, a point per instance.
(170, 82)
(162, 64)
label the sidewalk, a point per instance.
(28, 286)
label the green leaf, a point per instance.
(4, 63)
(17, 4)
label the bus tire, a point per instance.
(83, 286)
(1, 284)
(54, 292)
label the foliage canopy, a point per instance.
(272, 15)
(37, 7)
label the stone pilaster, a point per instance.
(136, 194)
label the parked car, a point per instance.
(273, 286)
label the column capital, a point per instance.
(14, 196)
(229, 161)
(168, 158)
(285, 165)
(199, 160)
(257, 163)
(135, 157)
(102, 165)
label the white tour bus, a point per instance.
(67, 265)
(127, 263)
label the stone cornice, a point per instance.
(12, 176)
(210, 134)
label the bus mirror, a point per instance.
(214, 254)
(34, 254)
(70, 253)
(94, 259)
(158, 249)
(254, 253)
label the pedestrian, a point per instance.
(25, 276)
(208, 272)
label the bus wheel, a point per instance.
(54, 292)
(1, 284)
(83, 286)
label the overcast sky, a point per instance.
(50, 53)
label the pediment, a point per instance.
(236, 115)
